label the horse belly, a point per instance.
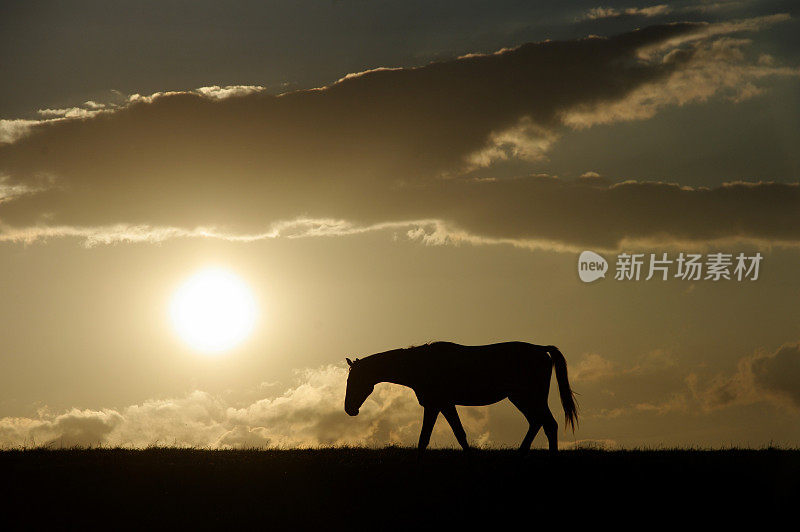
(479, 396)
(477, 382)
(480, 399)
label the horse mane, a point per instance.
(397, 354)
(430, 343)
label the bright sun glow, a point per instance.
(213, 311)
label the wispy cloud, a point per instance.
(660, 10)
(707, 68)
(12, 130)
(535, 213)
(611, 12)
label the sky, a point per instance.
(385, 174)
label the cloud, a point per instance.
(708, 68)
(229, 91)
(310, 413)
(391, 149)
(125, 233)
(676, 402)
(591, 175)
(10, 191)
(72, 112)
(14, 129)
(762, 377)
(610, 12)
(710, 7)
(75, 427)
(658, 10)
(530, 213)
(592, 367)
(779, 373)
(615, 390)
(772, 377)
(595, 445)
(557, 214)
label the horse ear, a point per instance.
(349, 362)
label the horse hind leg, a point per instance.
(533, 423)
(550, 428)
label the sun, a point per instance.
(213, 311)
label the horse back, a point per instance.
(476, 375)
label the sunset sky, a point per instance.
(374, 175)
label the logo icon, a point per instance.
(591, 266)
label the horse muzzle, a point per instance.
(351, 411)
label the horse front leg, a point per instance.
(428, 420)
(451, 415)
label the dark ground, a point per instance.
(385, 488)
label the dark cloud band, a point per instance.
(392, 146)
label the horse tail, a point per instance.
(567, 395)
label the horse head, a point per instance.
(359, 387)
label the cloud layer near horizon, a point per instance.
(396, 148)
(760, 378)
(310, 413)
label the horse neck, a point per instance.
(389, 367)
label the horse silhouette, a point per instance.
(444, 374)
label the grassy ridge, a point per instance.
(353, 487)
